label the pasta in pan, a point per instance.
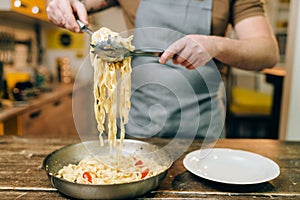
(108, 170)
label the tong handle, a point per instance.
(84, 28)
(146, 53)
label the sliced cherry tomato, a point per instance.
(139, 162)
(145, 172)
(87, 176)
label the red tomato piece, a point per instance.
(139, 162)
(145, 173)
(87, 176)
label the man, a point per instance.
(184, 97)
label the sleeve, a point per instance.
(242, 9)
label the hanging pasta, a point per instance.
(107, 85)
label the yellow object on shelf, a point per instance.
(247, 101)
(13, 77)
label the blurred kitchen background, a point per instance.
(40, 62)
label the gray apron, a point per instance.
(169, 100)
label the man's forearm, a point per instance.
(250, 54)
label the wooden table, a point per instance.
(21, 175)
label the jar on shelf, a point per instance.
(64, 74)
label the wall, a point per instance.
(289, 126)
(111, 18)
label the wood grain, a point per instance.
(21, 175)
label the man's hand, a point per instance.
(62, 13)
(190, 51)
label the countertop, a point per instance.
(21, 175)
(57, 91)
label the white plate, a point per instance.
(231, 166)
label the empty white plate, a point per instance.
(231, 166)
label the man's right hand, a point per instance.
(64, 13)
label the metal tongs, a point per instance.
(112, 51)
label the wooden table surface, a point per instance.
(22, 177)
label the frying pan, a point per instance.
(75, 152)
